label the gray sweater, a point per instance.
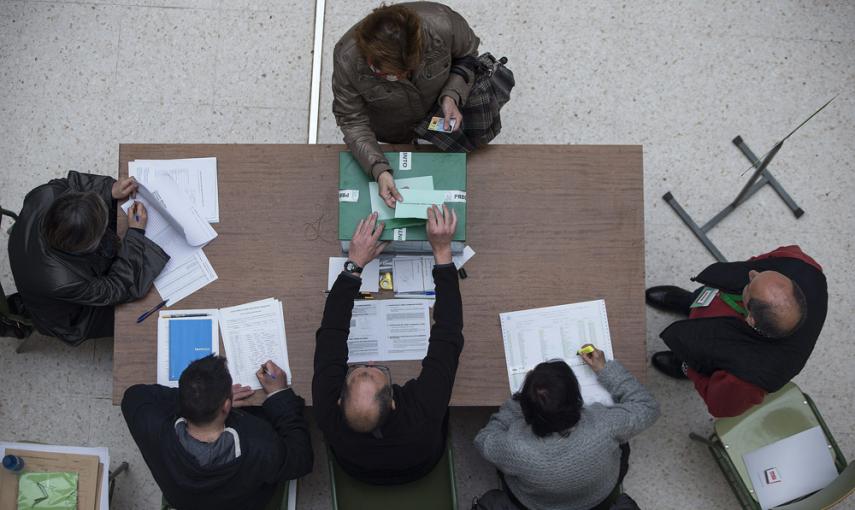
(576, 472)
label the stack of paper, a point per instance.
(389, 330)
(252, 334)
(183, 336)
(541, 334)
(177, 227)
(413, 276)
(195, 177)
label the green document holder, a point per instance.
(448, 171)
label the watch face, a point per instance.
(351, 267)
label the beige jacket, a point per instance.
(369, 108)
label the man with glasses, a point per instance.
(380, 432)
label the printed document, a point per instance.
(252, 334)
(389, 330)
(175, 225)
(541, 334)
(195, 177)
(166, 343)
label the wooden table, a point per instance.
(551, 224)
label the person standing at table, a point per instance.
(69, 266)
(553, 453)
(750, 329)
(207, 448)
(380, 432)
(389, 72)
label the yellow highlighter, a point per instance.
(588, 349)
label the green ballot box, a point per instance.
(47, 491)
(427, 177)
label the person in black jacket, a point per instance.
(205, 454)
(69, 265)
(380, 432)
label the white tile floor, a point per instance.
(682, 78)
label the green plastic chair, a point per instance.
(279, 501)
(786, 412)
(435, 491)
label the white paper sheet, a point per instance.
(252, 334)
(413, 274)
(370, 274)
(102, 453)
(195, 177)
(804, 463)
(180, 279)
(463, 257)
(170, 221)
(389, 330)
(540, 334)
(163, 338)
(380, 207)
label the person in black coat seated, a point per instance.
(206, 454)
(69, 266)
(382, 433)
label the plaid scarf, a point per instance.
(481, 119)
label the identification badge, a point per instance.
(705, 298)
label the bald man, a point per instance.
(751, 327)
(380, 432)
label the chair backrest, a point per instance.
(786, 412)
(279, 501)
(434, 491)
(834, 493)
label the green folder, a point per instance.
(448, 171)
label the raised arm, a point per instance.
(435, 383)
(331, 338)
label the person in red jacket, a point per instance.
(751, 327)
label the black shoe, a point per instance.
(669, 298)
(669, 364)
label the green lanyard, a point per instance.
(732, 301)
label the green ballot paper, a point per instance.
(417, 201)
(47, 491)
(413, 171)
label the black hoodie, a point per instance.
(271, 450)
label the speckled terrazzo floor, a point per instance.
(681, 78)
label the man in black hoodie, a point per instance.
(203, 453)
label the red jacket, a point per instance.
(725, 394)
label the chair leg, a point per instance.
(700, 439)
(112, 478)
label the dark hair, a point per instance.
(550, 399)
(391, 36)
(75, 222)
(202, 388)
(383, 399)
(767, 320)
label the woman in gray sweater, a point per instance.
(555, 454)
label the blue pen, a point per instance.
(268, 374)
(154, 309)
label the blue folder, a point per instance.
(189, 340)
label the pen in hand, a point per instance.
(267, 372)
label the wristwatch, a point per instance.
(351, 267)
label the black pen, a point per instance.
(154, 309)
